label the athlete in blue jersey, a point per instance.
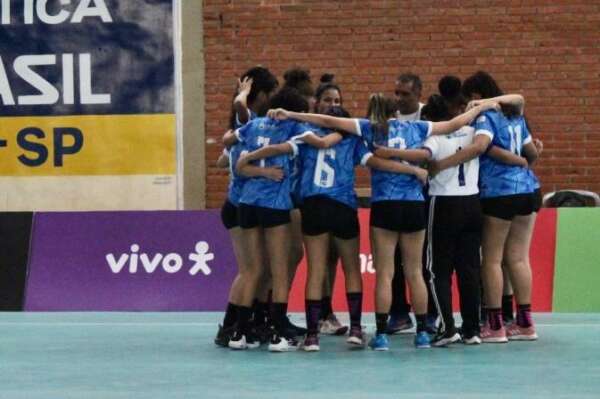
(328, 97)
(399, 218)
(254, 88)
(507, 204)
(329, 215)
(508, 157)
(299, 79)
(264, 216)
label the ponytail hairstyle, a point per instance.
(299, 79)
(439, 107)
(450, 87)
(379, 110)
(327, 83)
(484, 84)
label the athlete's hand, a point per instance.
(472, 104)
(483, 105)
(539, 146)
(278, 113)
(244, 86)
(421, 174)
(274, 173)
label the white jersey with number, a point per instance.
(458, 180)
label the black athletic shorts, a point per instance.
(508, 206)
(229, 215)
(537, 200)
(251, 216)
(321, 214)
(400, 216)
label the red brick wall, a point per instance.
(549, 53)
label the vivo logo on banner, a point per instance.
(170, 263)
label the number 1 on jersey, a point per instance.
(263, 142)
(461, 172)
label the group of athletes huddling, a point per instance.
(452, 189)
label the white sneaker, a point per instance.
(281, 344)
(474, 340)
(239, 342)
(445, 339)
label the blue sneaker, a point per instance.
(379, 342)
(399, 324)
(422, 340)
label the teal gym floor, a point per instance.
(171, 355)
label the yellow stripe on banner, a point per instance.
(109, 145)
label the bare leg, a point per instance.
(383, 245)
(517, 256)
(412, 260)
(495, 231)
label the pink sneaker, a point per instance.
(518, 333)
(490, 336)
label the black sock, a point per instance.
(421, 322)
(524, 315)
(231, 315)
(244, 315)
(261, 313)
(494, 316)
(354, 300)
(326, 308)
(278, 313)
(381, 320)
(312, 309)
(507, 307)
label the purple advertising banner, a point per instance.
(129, 261)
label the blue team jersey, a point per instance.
(260, 191)
(386, 186)
(534, 180)
(497, 179)
(236, 182)
(330, 171)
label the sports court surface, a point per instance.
(171, 355)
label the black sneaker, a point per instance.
(224, 335)
(292, 330)
(469, 337)
(446, 338)
(262, 333)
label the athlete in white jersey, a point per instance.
(454, 236)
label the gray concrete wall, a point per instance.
(194, 167)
